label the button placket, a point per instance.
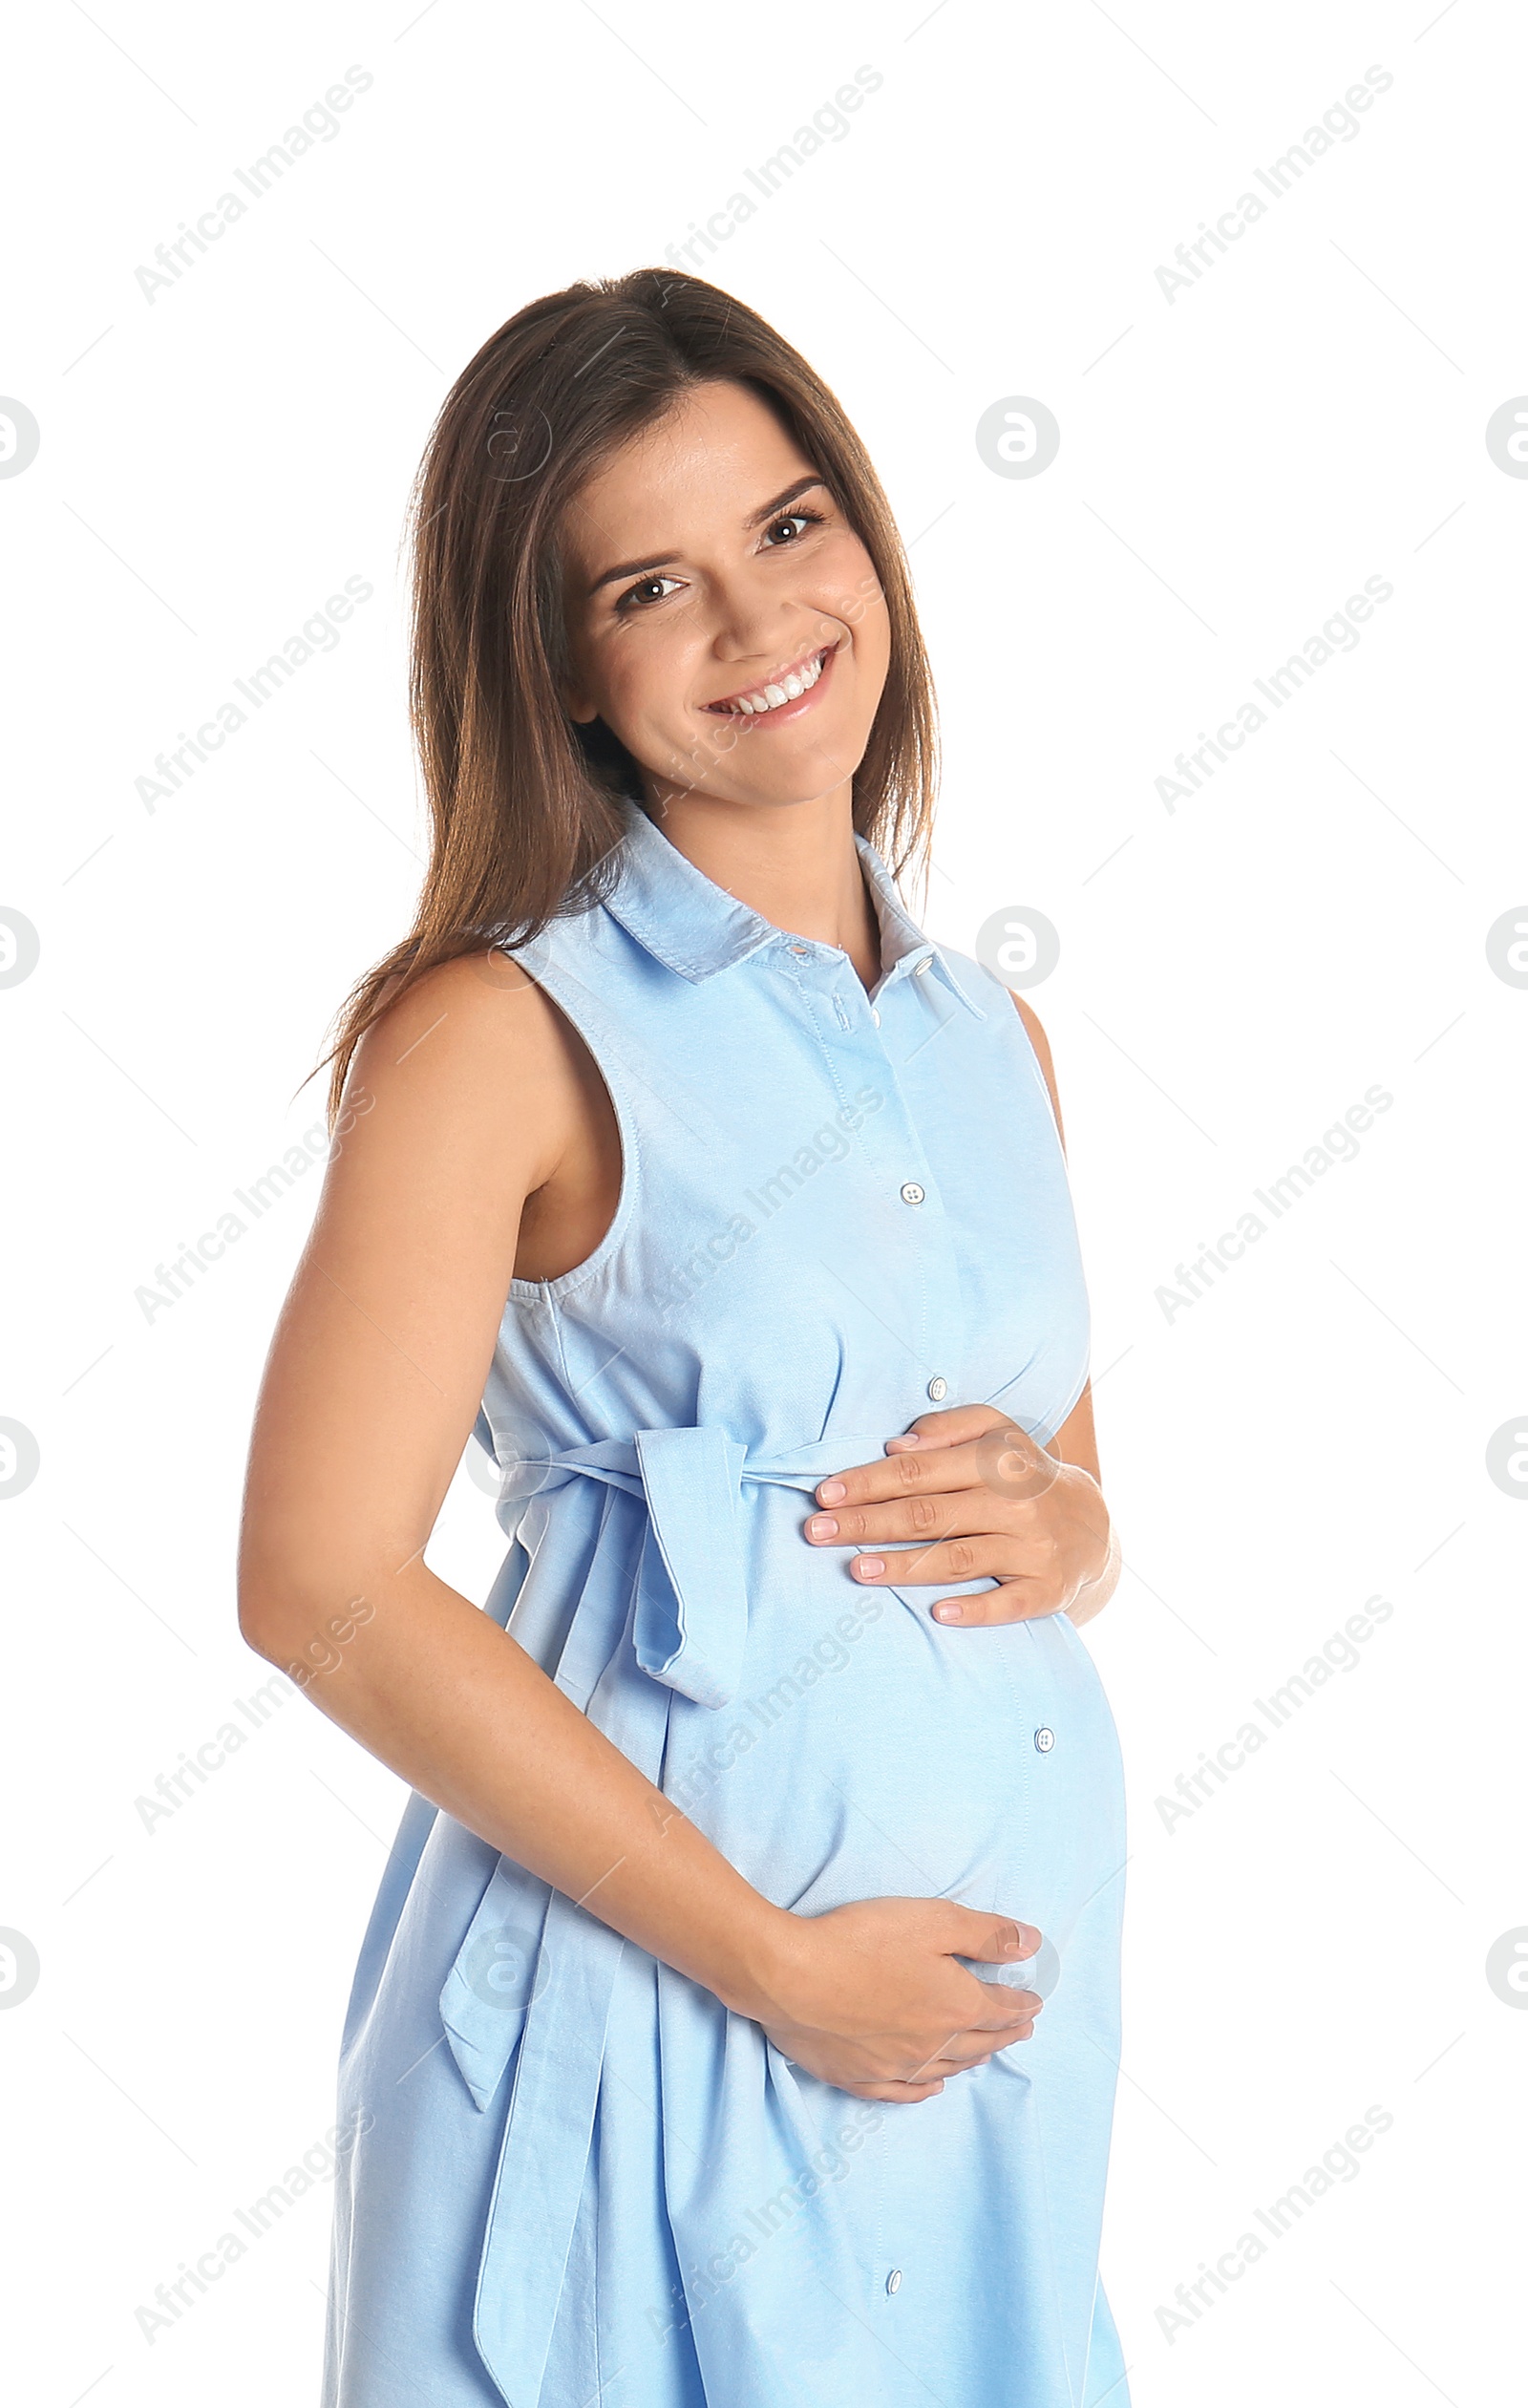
(928, 1290)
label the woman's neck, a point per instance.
(795, 865)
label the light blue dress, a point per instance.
(576, 2179)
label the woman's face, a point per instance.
(709, 568)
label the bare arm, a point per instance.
(467, 1099)
(1077, 1441)
(371, 1390)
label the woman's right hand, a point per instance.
(871, 2000)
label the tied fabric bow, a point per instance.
(535, 1969)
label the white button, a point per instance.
(894, 2279)
(938, 1389)
(875, 1015)
(912, 1193)
(1044, 1740)
(919, 968)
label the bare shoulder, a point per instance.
(471, 1060)
(1042, 1052)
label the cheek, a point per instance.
(851, 590)
(641, 675)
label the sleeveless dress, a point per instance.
(568, 2176)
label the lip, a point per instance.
(787, 711)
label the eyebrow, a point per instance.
(760, 518)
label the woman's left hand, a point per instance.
(978, 1500)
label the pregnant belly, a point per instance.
(871, 1752)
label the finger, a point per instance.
(1008, 2006)
(893, 2094)
(965, 2057)
(951, 1514)
(1018, 1600)
(907, 1473)
(1004, 1459)
(989, 1939)
(989, 1555)
(975, 2048)
(976, 2044)
(952, 1427)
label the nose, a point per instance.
(757, 626)
(758, 623)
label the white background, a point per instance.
(1309, 1942)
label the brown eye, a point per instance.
(642, 595)
(794, 519)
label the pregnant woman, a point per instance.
(705, 2049)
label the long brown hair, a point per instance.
(524, 803)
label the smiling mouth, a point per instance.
(788, 687)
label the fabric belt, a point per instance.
(535, 1968)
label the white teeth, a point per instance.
(799, 682)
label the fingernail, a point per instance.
(910, 1438)
(822, 1525)
(949, 1612)
(831, 1492)
(867, 1567)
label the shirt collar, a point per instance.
(694, 928)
